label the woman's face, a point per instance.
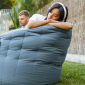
(54, 14)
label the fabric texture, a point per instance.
(33, 56)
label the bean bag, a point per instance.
(33, 56)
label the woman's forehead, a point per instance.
(55, 10)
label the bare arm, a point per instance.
(62, 25)
(33, 23)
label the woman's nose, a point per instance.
(51, 15)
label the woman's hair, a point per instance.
(63, 11)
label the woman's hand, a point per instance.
(53, 21)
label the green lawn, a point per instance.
(72, 74)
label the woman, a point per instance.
(56, 16)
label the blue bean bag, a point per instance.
(33, 56)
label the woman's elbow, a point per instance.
(71, 26)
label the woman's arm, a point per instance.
(62, 25)
(33, 23)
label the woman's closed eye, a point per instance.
(55, 15)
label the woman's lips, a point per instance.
(48, 18)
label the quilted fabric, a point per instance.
(33, 56)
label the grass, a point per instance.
(72, 74)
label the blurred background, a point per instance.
(9, 10)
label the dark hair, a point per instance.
(24, 12)
(59, 6)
